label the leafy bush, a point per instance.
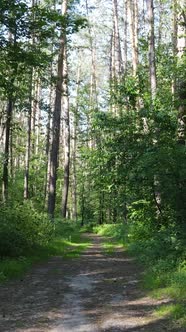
(22, 227)
(117, 231)
(64, 239)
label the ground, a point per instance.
(95, 292)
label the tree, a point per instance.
(57, 119)
(181, 50)
(66, 130)
(151, 54)
(133, 23)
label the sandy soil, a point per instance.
(94, 293)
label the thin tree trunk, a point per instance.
(160, 27)
(93, 102)
(28, 145)
(153, 89)
(133, 24)
(180, 17)
(55, 136)
(82, 208)
(125, 37)
(56, 123)
(116, 36)
(74, 175)
(181, 49)
(11, 154)
(65, 100)
(174, 44)
(33, 109)
(152, 61)
(8, 123)
(48, 144)
(38, 113)
(6, 151)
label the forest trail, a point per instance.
(93, 293)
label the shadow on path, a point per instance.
(94, 293)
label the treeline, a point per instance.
(34, 88)
(92, 118)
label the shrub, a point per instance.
(22, 227)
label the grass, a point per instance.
(163, 277)
(118, 232)
(175, 312)
(172, 285)
(109, 247)
(67, 243)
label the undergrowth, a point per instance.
(65, 240)
(163, 257)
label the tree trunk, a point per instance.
(28, 145)
(56, 124)
(66, 133)
(38, 113)
(152, 61)
(55, 136)
(181, 49)
(125, 37)
(116, 36)
(133, 24)
(6, 150)
(48, 143)
(74, 150)
(174, 45)
(7, 129)
(153, 90)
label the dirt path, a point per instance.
(94, 293)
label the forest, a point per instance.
(93, 132)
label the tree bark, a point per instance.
(74, 150)
(56, 123)
(38, 113)
(66, 133)
(55, 136)
(133, 24)
(125, 37)
(7, 129)
(116, 36)
(151, 54)
(28, 144)
(181, 50)
(174, 44)
(48, 142)
(7, 150)
(27, 157)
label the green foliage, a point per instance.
(22, 227)
(61, 239)
(168, 279)
(163, 256)
(118, 231)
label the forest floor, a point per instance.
(95, 292)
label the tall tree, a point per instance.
(28, 144)
(151, 54)
(116, 41)
(74, 141)
(125, 57)
(5, 176)
(9, 113)
(66, 131)
(57, 118)
(133, 24)
(181, 51)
